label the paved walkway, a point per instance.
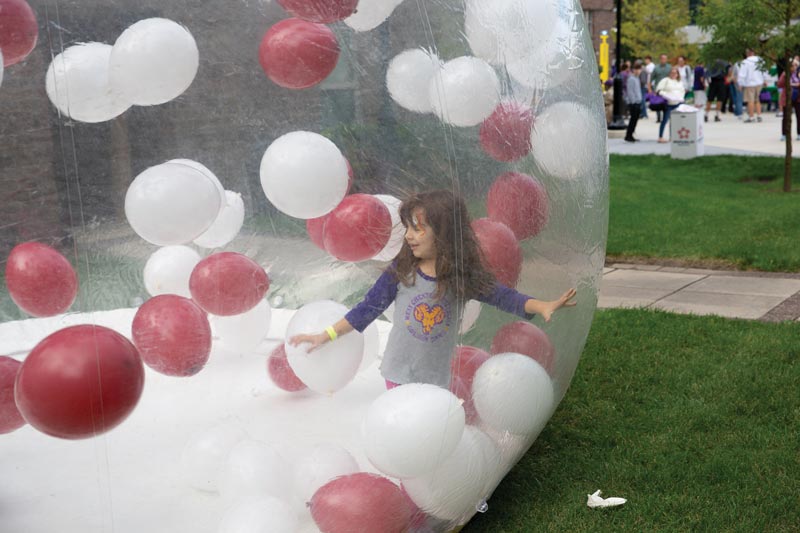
(772, 297)
(730, 136)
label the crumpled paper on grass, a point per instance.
(594, 501)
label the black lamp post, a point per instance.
(617, 122)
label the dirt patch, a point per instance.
(711, 264)
(759, 179)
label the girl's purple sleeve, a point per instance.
(508, 300)
(379, 297)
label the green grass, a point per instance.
(717, 210)
(694, 420)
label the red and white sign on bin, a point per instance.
(686, 133)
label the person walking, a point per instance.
(751, 79)
(717, 87)
(672, 90)
(735, 90)
(699, 86)
(647, 71)
(633, 97)
(790, 97)
(686, 74)
(660, 72)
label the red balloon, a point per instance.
(359, 503)
(40, 280)
(227, 283)
(520, 202)
(500, 250)
(79, 382)
(506, 134)
(281, 373)
(465, 362)
(297, 54)
(10, 417)
(322, 11)
(526, 339)
(18, 30)
(314, 227)
(172, 334)
(358, 228)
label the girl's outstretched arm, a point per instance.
(547, 308)
(342, 327)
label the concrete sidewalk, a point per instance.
(730, 136)
(772, 297)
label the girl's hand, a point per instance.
(313, 340)
(566, 300)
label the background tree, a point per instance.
(653, 27)
(766, 26)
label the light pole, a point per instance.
(617, 122)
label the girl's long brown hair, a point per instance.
(460, 267)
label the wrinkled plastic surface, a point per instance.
(508, 63)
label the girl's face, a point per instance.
(419, 236)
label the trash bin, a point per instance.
(686, 134)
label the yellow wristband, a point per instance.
(331, 333)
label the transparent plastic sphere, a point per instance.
(495, 102)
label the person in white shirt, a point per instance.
(671, 89)
(751, 80)
(685, 73)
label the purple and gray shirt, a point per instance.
(425, 328)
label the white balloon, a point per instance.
(204, 455)
(371, 13)
(202, 168)
(227, 225)
(484, 24)
(513, 393)
(304, 174)
(168, 270)
(264, 514)
(371, 346)
(324, 463)
(153, 61)
(172, 204)
(77, 83)
(465, 92)
(397, 237)
(558, 130)
(549, 64)
(409, 76)
(528, 27)
(254, 468)
(455, 489)
(472, 310)
(334, 364)
(409, 430)
(243, 332)
(505, 451)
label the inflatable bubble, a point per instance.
(383, 179)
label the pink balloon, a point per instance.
(172, 334)
(322, 11)
(18, 30)
(227, 283)
(525, 338)
(463, 365)
(297, 54)
(79, 382)
(40, 280)
(500, 249)
(281, 373)
(506, 134)
(10, 417)
(520, 202)
(358, 228)
(361, 502)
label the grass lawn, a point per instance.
(694, 420)
(715, 211)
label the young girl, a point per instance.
(436, 271)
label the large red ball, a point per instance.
(297, 54)
(281, 373)
(358, 228)
(506, 134)
(315, 227)
(322, 11)
(520, 202)
(172, 335)
(526, 339)
(228, 283)
(18, 30)
(40, 280)
(500, 250)
(79, 382)
(10, 417)
(361, 502)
